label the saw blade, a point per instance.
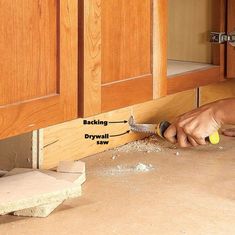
(142, 128)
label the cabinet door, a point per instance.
(230, 47)
(124, 53)
(38, 64)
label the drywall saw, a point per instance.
(160, 128)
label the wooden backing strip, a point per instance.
(126, 93)
(66, 141)
(159, 48)
(193, 79)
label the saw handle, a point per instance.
(163, 126)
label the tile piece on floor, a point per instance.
(31, 189)
(78, 178)
(45, 210)
(42, 211)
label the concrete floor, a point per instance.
(193, 193)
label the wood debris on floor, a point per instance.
(152, 144)
(37, 193)
(155, 144)
(145, 147)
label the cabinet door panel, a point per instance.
(230, 48)
(133, 91)
(38, 64)
(126, 39)
(124, 53)
(28, 50)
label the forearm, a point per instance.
(225, 111)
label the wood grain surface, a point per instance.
(217, 91)
(230, 48)
(67, 142)
(189, 25)
(28, 50)
(121, 41)
(126, 93)
(159, 54)
(89, 57)
(219, 25)
(38, 54)
(126, 39)
(192, 79)
(195, 20)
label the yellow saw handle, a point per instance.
(214, 138)
(163, 126)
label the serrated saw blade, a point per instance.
(142, 128)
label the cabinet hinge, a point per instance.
(220, 38)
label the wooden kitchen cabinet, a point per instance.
(138, 50)
(38, 64)
(60, 60)
(122, 53)
(129, 52)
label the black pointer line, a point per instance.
(118, 122)
(127, 132)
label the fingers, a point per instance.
(174, 135)
(194, 134)
(182, 138)
(178, 135)
(192, 141)
(229, 132)
(170, 134)
(199, 140)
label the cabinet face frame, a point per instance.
(198, 78)
(27, 115)
(230, 48)
(96, 97)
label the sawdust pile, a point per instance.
(126, 169)
(143, 167)
(152, 144)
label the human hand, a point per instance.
(192, 128)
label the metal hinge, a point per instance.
(220, 38)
